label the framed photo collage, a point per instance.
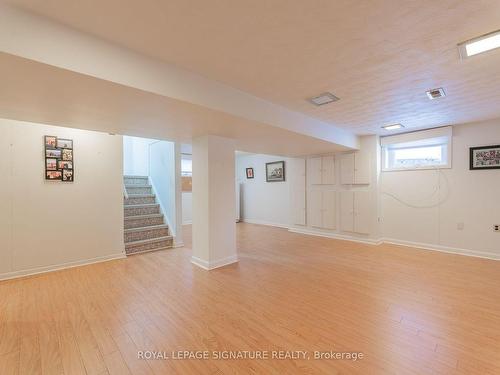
(59, 159)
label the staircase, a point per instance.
(145, 228)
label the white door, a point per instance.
(361, 168)
(329, 219)
(362, 208)
(314, 171)
(347, 211)
(328, 170)
(347, 169)
(298, 191)
(315, 208)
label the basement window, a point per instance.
(186, 167)
(428, 149)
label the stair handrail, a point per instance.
(125, 194)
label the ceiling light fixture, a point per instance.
(435, 93)
(392, 127)
(325, 98)
(479, 45)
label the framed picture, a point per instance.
(67, 175)
(485, 157)
(64, 143)
(275, 171)
(50, 141)
(53, 175)
(249, 172)
(52, 153)
(58, 159)
(67, 154)
(64, 164)
(51, 164)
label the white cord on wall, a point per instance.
(437, 189)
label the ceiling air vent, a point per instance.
(436, 93)
(325, 98)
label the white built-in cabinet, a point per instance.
(321, 170)
(322, 208)
(355, 168)
(355, 209)
(298, 191)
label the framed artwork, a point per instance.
(50, 164)
(64, 143)
(275, 171)
(67, 154)
(58, 159)
(50, 142)
(64, 164)
(485, 157)
(250, 173)
(53, 175)
(67, 175)
(52, 153)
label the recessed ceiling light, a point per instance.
(480, 44)
(436, 93)
(325, 98)
(392, 127)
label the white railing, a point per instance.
(125, 194)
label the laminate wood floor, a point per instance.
(408, 311)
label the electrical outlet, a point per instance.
(496, 228)
(460, 226)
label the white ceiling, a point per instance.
(378, 56)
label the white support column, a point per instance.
(214, 202)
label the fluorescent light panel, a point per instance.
(393, 127)
(480, 44)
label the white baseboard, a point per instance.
(214, 264)
(416, 245)
(178, 244)
(443, 249)
(57, 267)
(319, 233)
(260, 222)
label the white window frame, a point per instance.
(444, 134)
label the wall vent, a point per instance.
(436, 93)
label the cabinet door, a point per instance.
(347, 169)
(328, 170)
(315, 208)
(347, 211)
(329, 219)
(298, 191)
(361, 168)
(362, 209)
(314, 171)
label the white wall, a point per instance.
(162, 176)
(46, 224)
(262, 202)
(136, 156)
(468, 197)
